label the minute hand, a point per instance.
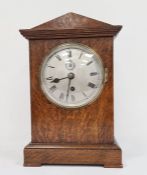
(68, 88)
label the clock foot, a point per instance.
(31, 164)
(113, 165)
(107, 155)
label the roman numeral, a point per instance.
(69, 53)
(61, 97)
(49, 78)
(51, 66)
(93, 73)
(58, 57)
(84, 94)
(92, 85)
(89, 63)
(80, 55)
(73, 98)
(53, 88)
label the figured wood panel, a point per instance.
(87, 125)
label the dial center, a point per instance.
(71, 75)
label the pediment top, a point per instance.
(68, 24)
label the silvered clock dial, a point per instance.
(72, 75)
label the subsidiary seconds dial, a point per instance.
(72, 75)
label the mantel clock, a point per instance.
(71, 82)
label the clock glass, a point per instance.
(72, 75)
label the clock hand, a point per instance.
(56, 80)
(70, 77)
(68, 88)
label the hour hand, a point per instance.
(56, 80)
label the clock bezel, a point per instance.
(55, 50)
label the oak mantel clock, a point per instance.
(71, 72)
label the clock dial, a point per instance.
(72, 75)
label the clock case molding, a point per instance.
(71, 136)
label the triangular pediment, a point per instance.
(72, 21)
(71, 25)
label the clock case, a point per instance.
(71, 136)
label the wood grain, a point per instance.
(107, 155)
(71, 25)
(71, 136)
(69, 33)
(89, 124)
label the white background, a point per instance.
(130, 64)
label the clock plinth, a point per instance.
(107, 155)
(81, 135)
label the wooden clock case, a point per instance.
(71, 136)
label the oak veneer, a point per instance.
(71, 136)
